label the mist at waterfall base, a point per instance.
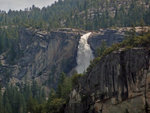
(84, 54)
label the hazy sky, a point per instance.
(22, 4)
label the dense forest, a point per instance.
(84, 14)
(31, 97)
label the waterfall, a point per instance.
(84, 54)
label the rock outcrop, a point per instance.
(119, 83)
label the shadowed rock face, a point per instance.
(110, 36)
(43, 55)
(47, 55)
(119, 83)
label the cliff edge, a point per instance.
(119, 83)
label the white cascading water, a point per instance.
(84, 54)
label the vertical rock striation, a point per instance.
(119, 83)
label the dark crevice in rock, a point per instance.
(113, 78)
(123, 77)
(145, 92)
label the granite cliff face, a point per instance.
(119, 83)
(44, 55)
(50, 54)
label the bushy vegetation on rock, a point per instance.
(142, 40)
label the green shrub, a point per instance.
(55, 105)
(143, 41)
(75, 78)
(111, 49)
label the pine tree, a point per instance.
(1, 102)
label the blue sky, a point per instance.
(22, 4)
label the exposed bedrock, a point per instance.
(119, 83)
